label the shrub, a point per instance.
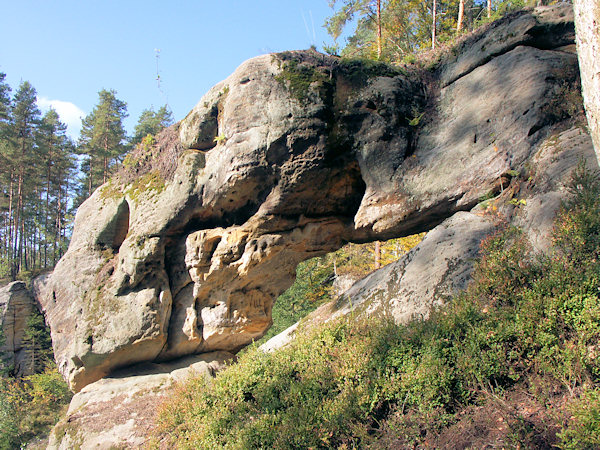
(30, 407)
(583, 431)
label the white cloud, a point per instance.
(69, 113)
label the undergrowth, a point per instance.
(524, 336)
(30, 406)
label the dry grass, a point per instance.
(159, 154)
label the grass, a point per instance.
(525, 332)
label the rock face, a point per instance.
(16, 305)
(290, 157)
(587, 21)
(118, 412)
(441, 265)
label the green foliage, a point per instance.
(37, 343)
(416, 120)
(583, 431)
(151, 123)
(5, 363)
(311, 289)
(312, 394)
(315, 277)
(9, 426)
(406, 25)
(527, 320)
(30, 407)
(220, 139)
(4, 103)
(359, 70)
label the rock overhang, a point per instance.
(290, 157)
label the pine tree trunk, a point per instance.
(489, 9)
(46, 213)
(22, 247)
(18, 250)
(461, 14)
(377, 255)
(433, 24)
(58, 213)
(105, 171)
(90, 178)
(9, 252)
(378, 29)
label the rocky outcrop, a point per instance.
(119, 411)
(290, 157)
(587, 21)
(441, 265)
(16, 306)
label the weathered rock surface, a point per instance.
(16, 305)
(119, 411)
(587, 21)
(441, 265)
(289, 158)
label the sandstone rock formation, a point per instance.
(16, 305)
(587, 21)
(441, 265)
(118, 411)
(290, 157)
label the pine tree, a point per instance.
(5, 150)
(395, 28)
(151, 123)
(55, 149)
(22, 164)
(37, 164)
(4, 101)
(368, 15)
(103, 138)
(461, 15)
(37, 343)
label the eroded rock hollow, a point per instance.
(185, 250)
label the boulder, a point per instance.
(119, 411)
(292, 156)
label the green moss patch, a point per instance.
(300, 77)
(359, 71)
(151, 181)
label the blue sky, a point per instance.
(70, 49)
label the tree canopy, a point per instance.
(394, 30)
(151, 123)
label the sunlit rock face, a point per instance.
(293, 155)
(16, 306)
